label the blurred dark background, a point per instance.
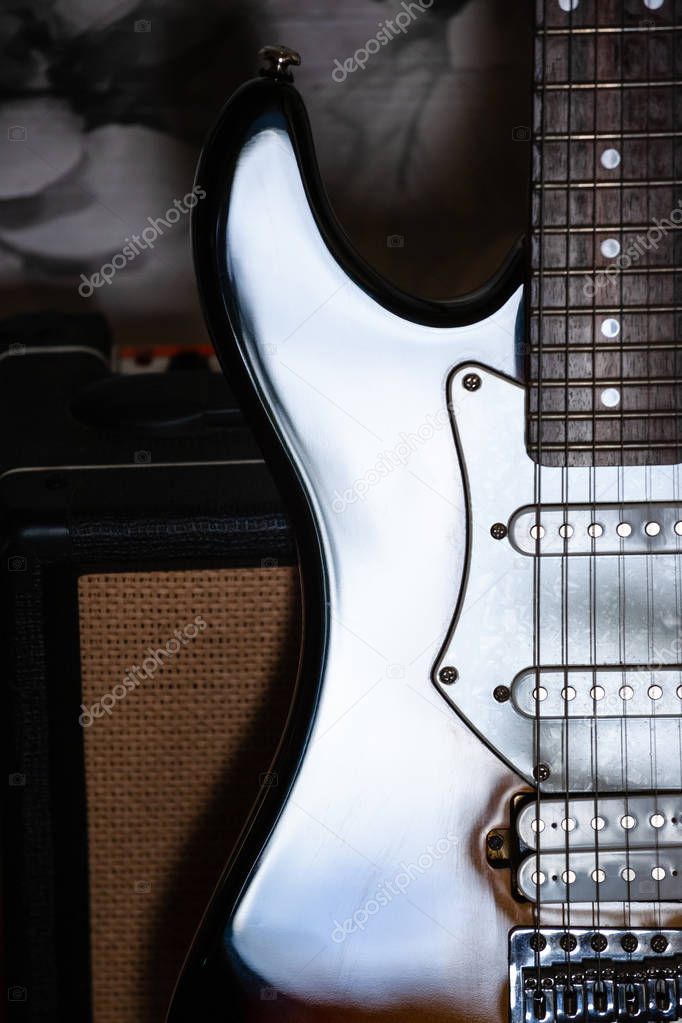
(105, 104)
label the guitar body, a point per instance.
(378, 819)
(364, 887)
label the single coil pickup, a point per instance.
(580, 529)
(610, 975)
(637, 821)
(605, 692)
(604, 875)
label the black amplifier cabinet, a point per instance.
(151, 607)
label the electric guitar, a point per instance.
(478, 808)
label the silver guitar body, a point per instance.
(371, 893)
(389, 771)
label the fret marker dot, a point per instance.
(610, 159)
(610, 328)
(653, 5)
(610, 248)
(610, 397)
(568, 5)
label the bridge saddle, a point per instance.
(583, 976)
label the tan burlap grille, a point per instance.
(174, 767)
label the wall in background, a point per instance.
(104, 105)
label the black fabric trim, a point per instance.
(181, 538)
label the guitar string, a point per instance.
(537, 494)
(622, 571)
(676, 467)
(674, 54)
(592, 563)
(673, 241)
(565, 475)
(649, 561)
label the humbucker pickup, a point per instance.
(611, 848)
(612, 822)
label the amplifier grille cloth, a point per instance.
(173, 770)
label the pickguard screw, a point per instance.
(498, 531)
(599, 942)
(629, 943)
(448, 675)
(541, 772)
(568, 942)
(495, 842)
(471, 382)
(501, 694)
(659, 943)
(538, 942)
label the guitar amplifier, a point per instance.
(154, 610)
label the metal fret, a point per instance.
(635, 271)
(603, 446)
(580, 86)
(609, 30)
(606, 136)
(597, 348)
(567, 184)
(582, 382)
(604, 228)
(599, 414)
(605, 310)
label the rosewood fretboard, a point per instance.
(605, 346)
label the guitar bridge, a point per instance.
(557, 976)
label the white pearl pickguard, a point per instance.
(608, 603)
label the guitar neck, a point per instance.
(605, 356)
